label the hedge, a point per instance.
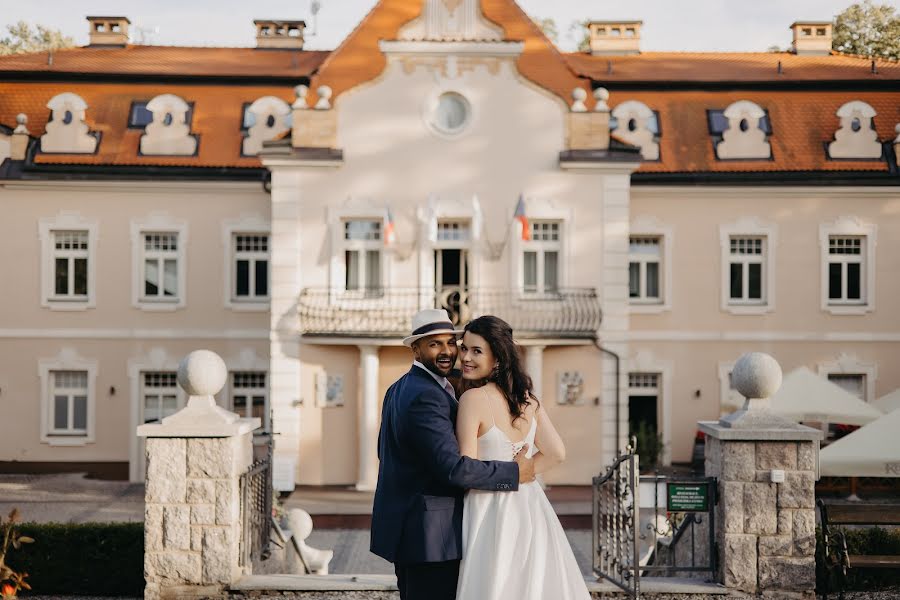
(874, 540)
(99, 559)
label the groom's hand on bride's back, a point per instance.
(526, 465)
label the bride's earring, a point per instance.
(495, 373)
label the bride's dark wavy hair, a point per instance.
(512, 380)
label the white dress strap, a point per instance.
(490, 409)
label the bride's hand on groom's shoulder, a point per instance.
(526, 465)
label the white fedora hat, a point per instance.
(430, 321)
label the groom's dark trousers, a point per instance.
(417, 512)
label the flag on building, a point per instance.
(522, 219)
(389, 235)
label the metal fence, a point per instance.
(256, 510)
(677, 526)
(377, 312)
(615, 508)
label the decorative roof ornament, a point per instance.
(856, 137)
(744, 139)
(66, 130)
(633, 120)
(169, 134)
(270, 118)
(579, 95)
(451, 21)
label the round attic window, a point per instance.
(450, 113)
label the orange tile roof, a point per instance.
(217, 117)
(358, 59)
(730, 66)
(803, 122)
(169, 61)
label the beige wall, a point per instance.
(114, 334)
(695, 335)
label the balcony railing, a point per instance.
(572, 313)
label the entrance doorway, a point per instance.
(451, 268)
(643, 416)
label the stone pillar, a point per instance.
(18, 143)
(367, 419)
(192, 525)
(534, 363)
(766, 467)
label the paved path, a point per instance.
(71, 498)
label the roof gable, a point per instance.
(358, 59)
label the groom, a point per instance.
(417, 513)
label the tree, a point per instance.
(578, 30)
(22, 38)
(548, 26)
(868, 29)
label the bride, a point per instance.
(513, 544)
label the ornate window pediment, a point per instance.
(744, 138)
(66, 130)
(266, 118)
(637, 125)
(856, 137)
(169, 133)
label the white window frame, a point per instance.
(450, 209)
(644, 361)
(47, 228)
(246, 225)
(67, 360)
(541, 248)
(539, 209)
(338, 267)
(849, 226)
(652, 227)
(144, 390)
(265, 423)
(850, 364)
(157, 223)
(748, 227)
(157, 359)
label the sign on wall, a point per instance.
(683, 496)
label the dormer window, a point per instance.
(740, 132)
(637, 125)
(856, 138)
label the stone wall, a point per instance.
(192, 513)
(767, 530)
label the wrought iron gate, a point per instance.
(256, 509)
(615, 517)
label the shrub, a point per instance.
(874, 540)
(101, 559)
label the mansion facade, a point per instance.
(641, 219)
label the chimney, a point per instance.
(279, 34)
(108, 31)
(615, 37)
(811, 37)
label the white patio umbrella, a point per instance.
(804, 396)
(888, 402)
(870, 451)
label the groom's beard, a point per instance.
(439, 364)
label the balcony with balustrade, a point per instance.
(570, 314)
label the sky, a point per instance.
(669, 25)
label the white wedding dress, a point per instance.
(513, 544)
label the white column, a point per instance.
(284, 328)
(367, 419)
(534, 364)
(613, 291)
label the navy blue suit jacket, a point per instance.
(417, 512)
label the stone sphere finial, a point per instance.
(22, 119)
(756, 375)
(601, 95)
(579, 95)
(202, 373)
(324, 92)
(897, 131)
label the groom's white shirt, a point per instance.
(442, 381)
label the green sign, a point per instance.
(687, 496)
